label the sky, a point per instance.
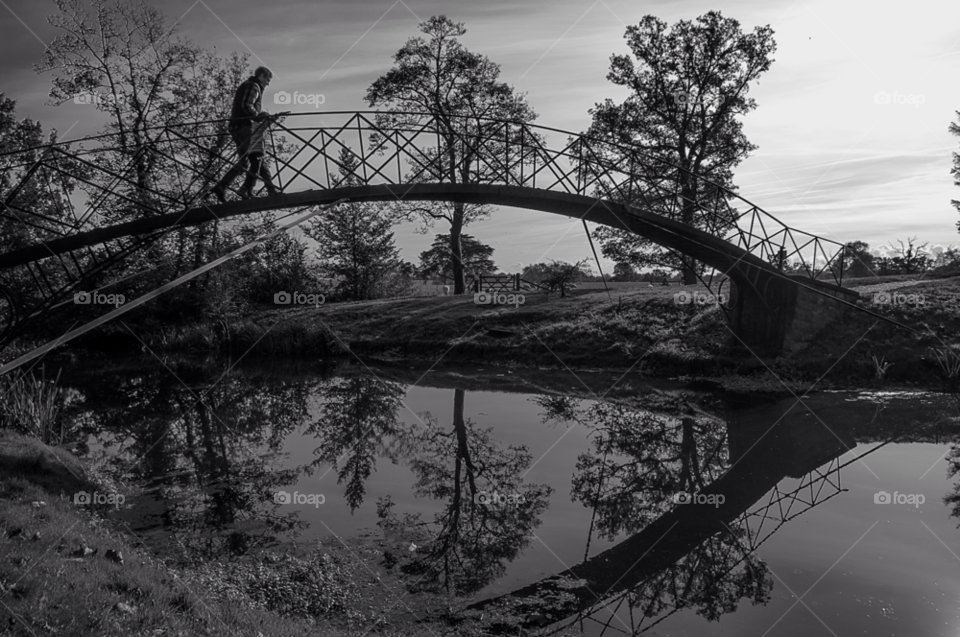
(851, 124)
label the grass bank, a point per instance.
(642, 330)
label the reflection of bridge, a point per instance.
(609, 590)
(133, 197)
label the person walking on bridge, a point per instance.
(247, 127)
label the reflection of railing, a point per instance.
(174, 166)
(749, 531)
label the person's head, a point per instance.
(263, 75)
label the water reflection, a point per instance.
(207, 448)
(641, 457)
(488, 512)
(679, 555)
(357, 424)
(201, 446)
(206, 453)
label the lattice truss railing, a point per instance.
(635, 611)
(67, 188)
(402, 151)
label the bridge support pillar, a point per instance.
(780, 315)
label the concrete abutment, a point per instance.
(779, 315)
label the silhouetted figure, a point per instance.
(247, 127)
(781, 258)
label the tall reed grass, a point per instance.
(948, 360)
(32, 405)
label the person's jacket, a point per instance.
(246, 103)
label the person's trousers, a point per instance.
(250, 148)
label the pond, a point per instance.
(619, 505)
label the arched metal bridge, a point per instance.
(73, 212)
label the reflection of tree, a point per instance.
(200, 444)
(356, 417)
(468, 543)
(640, 459)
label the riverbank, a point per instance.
(65, 572)
(641, 331)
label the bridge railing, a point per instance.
(65, 188)
(402, 148)
(488, 151)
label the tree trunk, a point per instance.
(463, 447)
(688, 197)
(456, 250)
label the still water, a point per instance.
(632, 507)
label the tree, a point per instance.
(856, 260)
(23, 211)
(954, 129)
(124, 59)
(536, 272)
(909, 258)
(456, 89)
(689, 88)
(884, 265)
(561, 276)
(30, 207)
(624, 272)
(355, 239)
(475, 257)
(948, 258)
(407, 269)
(279, 264)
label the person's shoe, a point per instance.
(245, 193)
(273, 190)
(217, 191)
